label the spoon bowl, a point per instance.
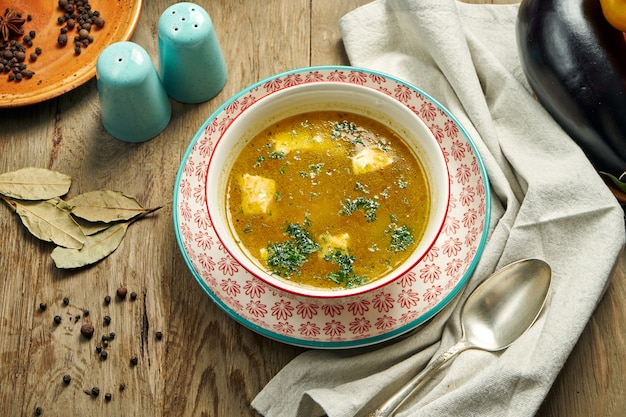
(496, 314)
(506, 304)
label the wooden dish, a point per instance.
(58, 69)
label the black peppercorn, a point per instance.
(95, 391)
(85, 313)
(66, 301)
(38, 411)
(134, 360)
(57, 319)
(108, 396)
(67, 379)
(107, 299)
(133, 296)
(122, 386)
(98, 349)
(159, 335)
(112, 335)
(62, 39)
(43, 306)
(104, 355)
(107, 320)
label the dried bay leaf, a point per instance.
(105, 206)
(48, 220)
(34, 184)
(91, 228)
(96, 247)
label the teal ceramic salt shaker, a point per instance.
(134, 106)
(191, 62)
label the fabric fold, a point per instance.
(548, 202)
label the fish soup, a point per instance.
(328, 199)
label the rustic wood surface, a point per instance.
(206, 364)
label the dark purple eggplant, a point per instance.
(575, 62)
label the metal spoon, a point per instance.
(496, 314)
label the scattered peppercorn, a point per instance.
(95, 391)
(38, 411)
(107, 299)
(159, 335)
(122, 386)
(121, 292)
(105, 337)
(67, 379)
(42, 306)
(87, 330)
(105, 344)
(107, 320)
(104, 355)
(98, 349)
(133, 296)
(85, 313)
(108, 396)
(112, 335)
(134, 361)
(66, 301)
(57, 319)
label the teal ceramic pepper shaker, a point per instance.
(191, 62)
(134, 106)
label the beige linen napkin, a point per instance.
(548, 202)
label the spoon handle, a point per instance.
(393, 403)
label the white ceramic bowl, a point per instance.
(343, 96)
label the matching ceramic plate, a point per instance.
(354, 322)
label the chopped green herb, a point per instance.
(259, 161)
(401, 237)
(283, 167)
(285, 258)
(367, 205)
(361, 187)
(315, 169)
(343, 127)
(277, 155)
(307, 221)
(345, 274)
(383, 146)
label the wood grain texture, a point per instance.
(206, 364)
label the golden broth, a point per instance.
(328, 199)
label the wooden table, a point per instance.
(206, 363)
